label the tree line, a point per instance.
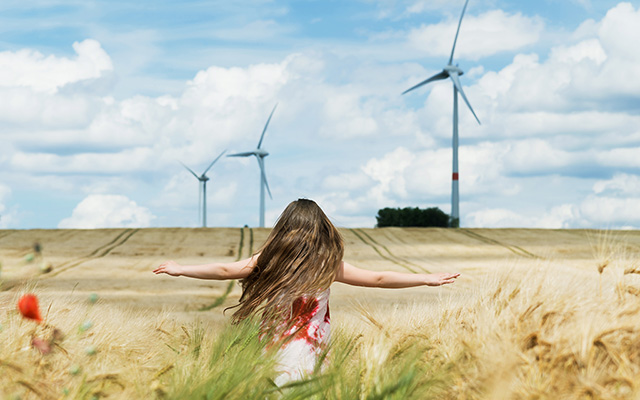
(415, 217)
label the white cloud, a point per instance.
(107, 211)
(354, 181)
(559, 217)
(129, 160)
(535, 155)
(611, 211)
(389, 172)
(344, 115)
(32, 69)
(496, 218)
(611, 205)
(480, 36)
(619, 30)
(620, 184)
(575, 77)
(620, 157)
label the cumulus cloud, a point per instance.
(574, 77)
(32, 69)
(559, 217)
(484, 35)
(621, 184)
(612, 204)
(497, 218)
(107, 211)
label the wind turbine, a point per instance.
(260, 154)
(453, 72)
(202, 196)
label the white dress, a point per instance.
(298, 356)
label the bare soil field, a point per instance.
(116, 264)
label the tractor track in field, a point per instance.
(117, 241)
(514, 249)
(368, 240)
(100, 252)
(250, 243)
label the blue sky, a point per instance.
(99, 101)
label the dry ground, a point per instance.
(116, 263)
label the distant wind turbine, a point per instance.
(260, 154)
(453, 72)
(202, 196)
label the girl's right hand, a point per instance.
(170, 268)
(441, 278)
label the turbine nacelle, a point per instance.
(261, 152)
(453, 69)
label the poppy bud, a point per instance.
(28, 306)
(43, 346)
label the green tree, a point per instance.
(414, 217)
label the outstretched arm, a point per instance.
(218, 271)
(389, 279)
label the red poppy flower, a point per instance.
(28, 306)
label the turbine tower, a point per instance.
(202, 195)
(453, 72)
(260, 154)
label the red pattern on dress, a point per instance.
(306, 338)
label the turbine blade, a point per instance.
(190, 170)
(439, 76)
(245, 154)
(214, 161)
(456, 82)
(457, 32)
(263, 174)
(267, 124)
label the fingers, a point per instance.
(162, 268)
(447, 278)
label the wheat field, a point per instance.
(536, 314)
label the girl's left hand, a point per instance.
(441, 278)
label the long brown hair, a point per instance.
(300, 258)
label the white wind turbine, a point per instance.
(453, 72)
(260, 154)
(202, 195)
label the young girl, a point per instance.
(287, 283)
